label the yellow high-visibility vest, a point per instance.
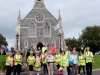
(67, 54)
(31, 60)
(18, 59)
(57, 58)
(9, 61)
(63, 61)
(89, 57)
(82, 61)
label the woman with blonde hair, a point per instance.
(9, 63)
(57, 58)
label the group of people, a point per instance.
(67, 62)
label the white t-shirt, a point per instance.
(50, 58)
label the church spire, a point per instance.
(19, 18)
(59, 18)
(60, 23)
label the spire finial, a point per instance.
(59, 18)
(19, 12)
(19, 17)
(39, 1)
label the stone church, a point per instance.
(40, 27)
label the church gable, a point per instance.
(39, 13)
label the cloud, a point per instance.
(76, 15)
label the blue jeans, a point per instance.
(17, 69)
(45, 68)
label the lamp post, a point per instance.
(17, 37)
(60, 41)
(0, 44)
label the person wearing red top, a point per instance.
(53, 49)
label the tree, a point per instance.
(91, 37)
(3, 41)
(72, 42)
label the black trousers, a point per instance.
(68, 70)
(89, 68)
(79, 69)
(17, 69)
(58, 66)
(8, 70)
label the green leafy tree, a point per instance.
(3, 41)
(72, 42)
(91, 37)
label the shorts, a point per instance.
(38, 69)
(30, 68)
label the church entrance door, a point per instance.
(39, 45)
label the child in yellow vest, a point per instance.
(31, 60)
(38, 63)
(82, 63)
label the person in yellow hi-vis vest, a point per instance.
(57, 58)
(89, 61)
(17, 62)
(82, 63)
(68, 53)
(31, 60)
(44, 62)
(63, 63)
(38, 63)
(9, 63)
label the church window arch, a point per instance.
(32, 29)
(47, 29)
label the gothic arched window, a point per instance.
(32, 29)
(46, 29)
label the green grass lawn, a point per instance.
(97, 62)
(2, 58)
(2, 62)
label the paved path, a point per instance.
(94, 73)
(26, 73)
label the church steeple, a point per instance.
(60, 22)
(19, 18)
(59, 18)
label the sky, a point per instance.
(76, 15)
